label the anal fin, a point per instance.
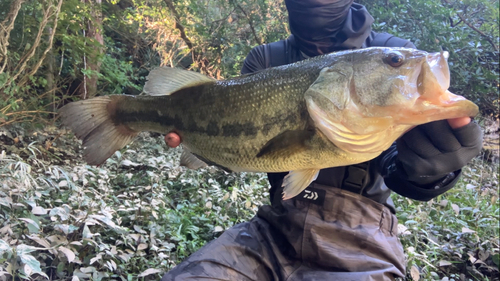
(190, 161)
(296, 181)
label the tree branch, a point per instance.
(462, 18)
(6, 27)
(488, 38)
(250, 22)
(196, 56)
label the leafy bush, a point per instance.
(468, 30)
(137, 214)
(140, 214)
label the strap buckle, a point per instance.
(355, 177)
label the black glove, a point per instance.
(429, 153)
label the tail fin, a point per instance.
(92, 121)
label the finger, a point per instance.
(469, 135)
(441, 135)
(417, 141)
(413, 164)
(456, 123)
(172, 139)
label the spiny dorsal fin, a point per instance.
(164, 81)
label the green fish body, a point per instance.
(334, 110)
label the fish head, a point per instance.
(368, 98)
(410, 86)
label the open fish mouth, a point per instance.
(434, 101)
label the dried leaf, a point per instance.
(415, 274)
(142, 246)
(483, 255)
(443, 203)
(474, 260)
(470, 186)
(57, 239)
(38, 211)
(403, 230)
(139, 229)
(134, 236)
(96, 258)
(466, 230)
(30, 221)
(6, 229)
(444, 263)
(42, 242)
(128, 163)
(455, 208)
(68, 253)
(149, 272)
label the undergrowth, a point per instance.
(140, 214)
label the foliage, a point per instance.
(455, 235)
(468, 30)
(45, 53)
(140, 214)
(137, 214)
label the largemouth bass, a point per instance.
(333, 110)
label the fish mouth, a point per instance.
(435, 101)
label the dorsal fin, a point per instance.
(164, 81)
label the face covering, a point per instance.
(323, 26)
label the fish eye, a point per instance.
(395, 59)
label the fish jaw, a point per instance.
(434, 101)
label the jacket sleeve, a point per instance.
(255, 60)
(396, 179)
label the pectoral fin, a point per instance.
(286, 143)
(190, 161)
(296, 181)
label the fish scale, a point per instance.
(333, 110)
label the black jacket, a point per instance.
(366, 178)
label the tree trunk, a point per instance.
(92, 61)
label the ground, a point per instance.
(139, 214)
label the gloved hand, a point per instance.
(430, 152)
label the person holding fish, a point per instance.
(342, 227)
(337, 115)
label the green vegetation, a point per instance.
(139, 214)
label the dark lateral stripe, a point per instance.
(234, 129)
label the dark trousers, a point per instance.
(348, 237)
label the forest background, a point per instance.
(139, 214)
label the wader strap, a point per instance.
(354, 177)
(278, 53)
